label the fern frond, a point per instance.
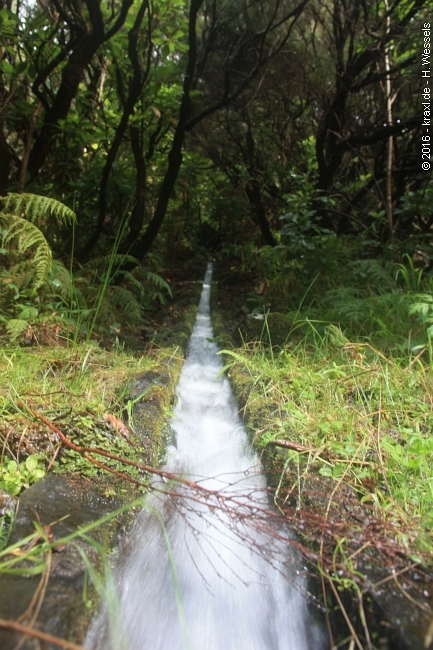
(106, 262)
(424, 306)
(106, 312)
(254, 367)
(36, 208)
(60, 279)
(28, 236)
(127, 304)
(21, 274)
(372, 272)
(159, 282)
(135, 284)
(15, 327)
(336, 336)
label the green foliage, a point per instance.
(16, 476)
(15, 327)
(127, 303)
(298, 222)
(27, 237)
(38, 209)
(118, 307)
(157, 286)
(362, 418)
(374, 272)
(30, 275)
(33, 289)
(411, 276)
(60, 281)
(6, 527)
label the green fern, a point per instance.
(423, 308)
(20, 222)
(60, 279)
(106, 314)
(371, 272)
(107, 261)
(117, 305)
(21, 275)
(37, 209)
(27, 237)
(136, 285)
(159, 283)
(336, 336)
(15, 327)
(127, 304)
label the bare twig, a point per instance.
(37, 634)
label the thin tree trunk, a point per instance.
(6, 159)
(71, 76)
(175, 155)
(138, 212)
(254, 195)
(136, 84)
(390, 145)
(28, 147)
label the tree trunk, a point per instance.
(72, 75)
(175, 155)
(28, 146)
(254, 195)
(136, 84)
(6, 159)
(138, 212)
(390, 146)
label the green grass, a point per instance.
(360, 416)
(76, 388)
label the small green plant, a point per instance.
(16, 476)
(411, 276)
(6, 526)
(21, 219)
(30, 278)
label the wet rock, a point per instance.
(7, 503)
(64, 503)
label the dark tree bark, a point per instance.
(252, 44)
(355, 70)
(6, 159)
(139, 210)
(135, 87)
(254, 195)
(86, 44)
(175, 155)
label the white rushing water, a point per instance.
(203, 569)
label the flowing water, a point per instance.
(204, 567)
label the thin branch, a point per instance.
(36, 634)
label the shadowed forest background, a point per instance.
(284, 140)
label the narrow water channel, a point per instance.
(204, 568)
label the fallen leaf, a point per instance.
(117, 424)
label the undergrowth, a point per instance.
(350, 379)
(355, 413)
(42, 296)
(85, 390)
(330, 358)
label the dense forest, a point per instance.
(215, 122)
(288, 141)
(284, 136)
